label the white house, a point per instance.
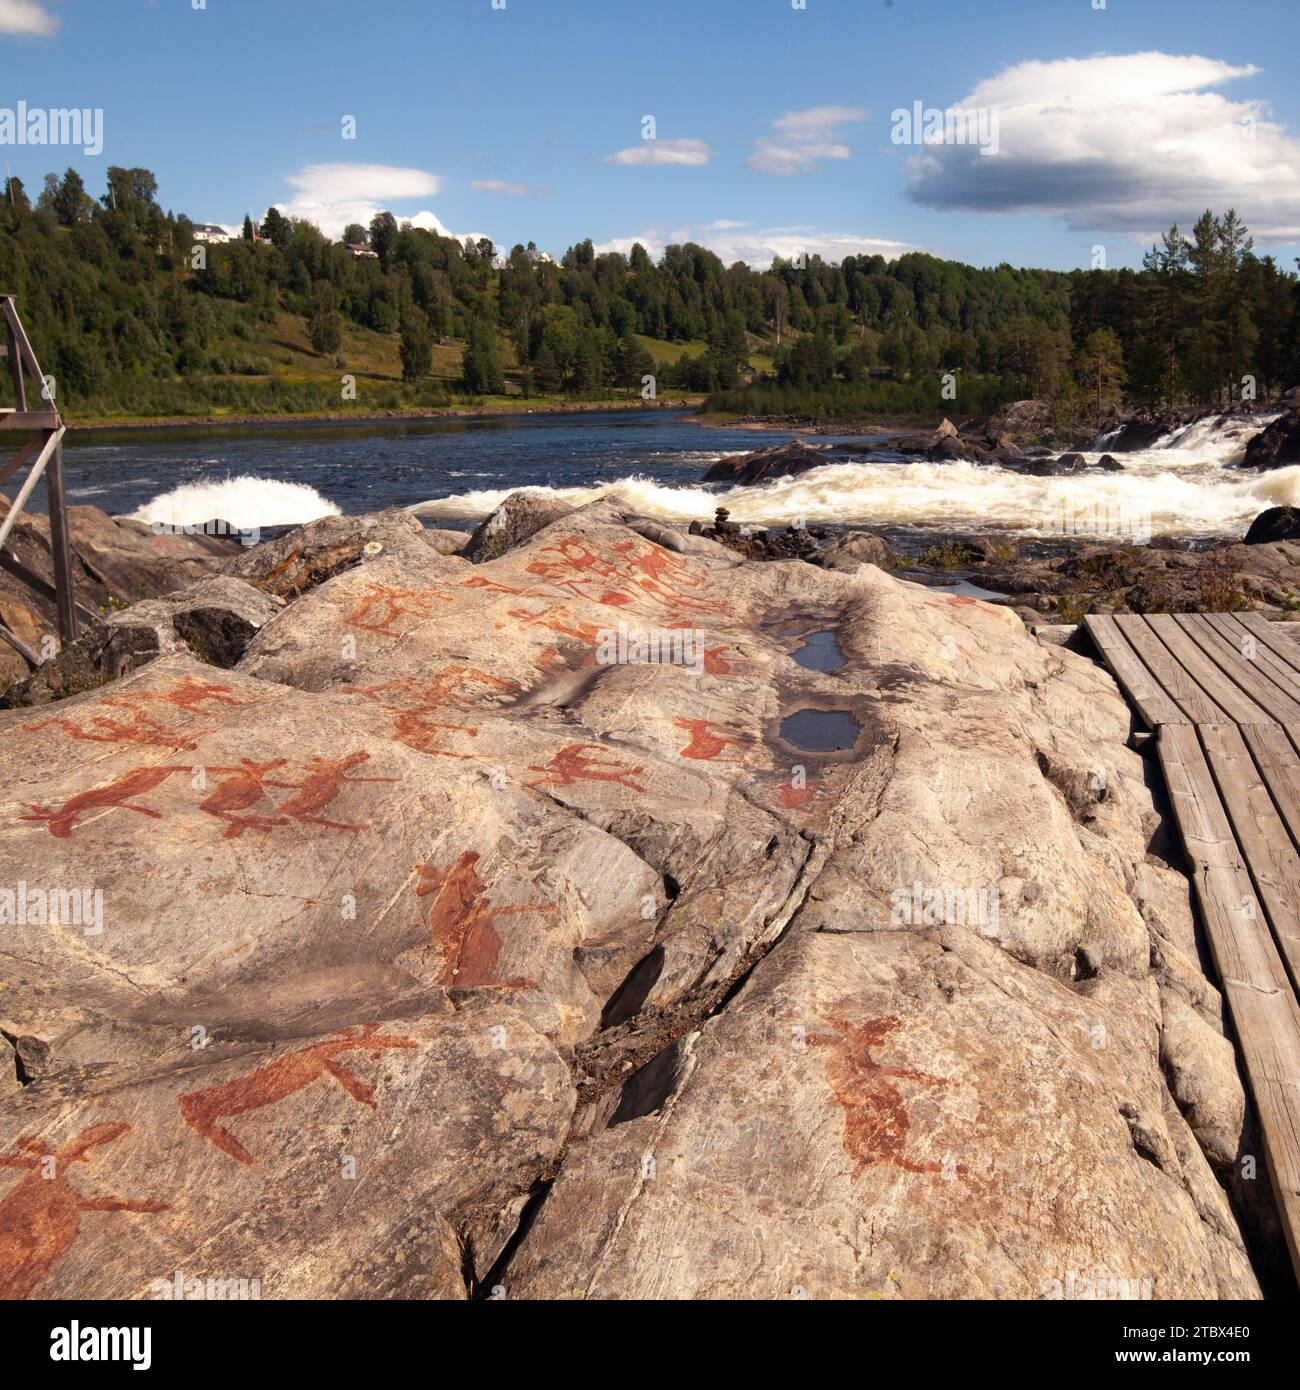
(209, 231)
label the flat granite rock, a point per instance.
(748, 974)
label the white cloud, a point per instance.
(1121, 142)
(332, 195)
(757, 247)
(26, 17)
(677, 152)
(804, 137)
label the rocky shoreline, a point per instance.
(444, 945)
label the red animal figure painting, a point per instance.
(384, 604)
(704, 743)
(63, 820)
(559, 619)
(460, 921)
(242, 788)
(413, 703)
(189, 693)
(137, 728)
(876, 1121)
(578, 762)
(40, 1216)
(325, 778)
(637, 572)
(202, 1110)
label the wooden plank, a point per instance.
(21, 455)
(18, 337)
(1263, 837)
(1263, 1005)
(1153, 704)
(1272, 635)
(1278, 671)
(1279, 765)
(24, 492)
(1176, 682)
(61, 544)
(1250, 676)
(1230, 698)
(29, 421)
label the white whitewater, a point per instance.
(245, 502)
(1184, 485)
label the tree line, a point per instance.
(130, 314)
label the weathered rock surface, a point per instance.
(1277, 444)
(437, 901)
(779, 461)
(520, 516)
(214, 620)
(1274, 524)
(115, 561)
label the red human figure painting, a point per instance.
(379, 609)
(203, 1110)
(40, 1216)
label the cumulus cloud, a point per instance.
(804, 137)
(26, 17)
(332, 195)
(675, 152)
(1121, 142)
(757, 247)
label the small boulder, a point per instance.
(1277, 445)
(780, 461)
(518, 519)
(1275, 524)
(1110, 464)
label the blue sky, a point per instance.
(772, 123)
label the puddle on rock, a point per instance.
(821, 730)
(820, 652)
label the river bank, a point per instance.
(387, 417)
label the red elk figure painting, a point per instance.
(40, 1216)
(63, 820)
(202, 1110)
(704, 744)
(242, 788)
(460, 921)
(579, 762)
(325, 778)
(137, 727)
(876, 1121)
(190, 693)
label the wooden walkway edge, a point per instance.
(1221, 692)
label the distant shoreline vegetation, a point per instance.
(141, 314)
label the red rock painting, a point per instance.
(578, 762)
(460, 922)
(876, 1121)
(383, 605)
(704, 744)
(202, 1110)
(325, 778)
(190, 694)
(40, 1216)
(63, 820)
(412, 703)
(636, 572)
(241, 789)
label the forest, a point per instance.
(135, 319)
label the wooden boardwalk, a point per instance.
(1221, 692)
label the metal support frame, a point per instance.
(44, 451)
